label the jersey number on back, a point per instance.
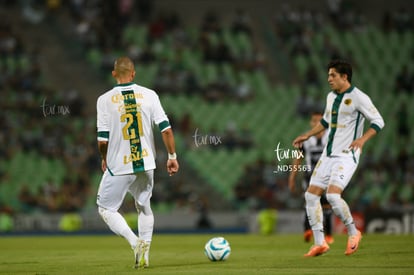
(127, 132)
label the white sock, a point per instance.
(145, 226)
(118, 225)
(341, 209)
(315, 216)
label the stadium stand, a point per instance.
(196, 67)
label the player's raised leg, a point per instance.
(111, 193)
(118, 225)
(315, 216)
(341, 209)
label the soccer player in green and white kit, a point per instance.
(347, 107)
(126, 115)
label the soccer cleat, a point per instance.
(146, 254)
(141, 253)
(329, 239)
(307, 236)
(317, 250)
(353, 243)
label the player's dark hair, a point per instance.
(342, 67)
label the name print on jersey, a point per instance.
(54, 110)
(119, 98)
(206, 139)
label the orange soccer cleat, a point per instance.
(317, 250)
(307, 236)
(329, 239)
(353, 243)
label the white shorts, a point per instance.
(337, 171)
(112, 189)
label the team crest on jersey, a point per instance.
(348, 101)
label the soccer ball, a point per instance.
(217, 249)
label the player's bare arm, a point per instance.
(297, 143)
(103, 148)
(293, 173)
(359, 142)
(169, 142)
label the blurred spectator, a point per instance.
(201, 205)
(335, 10)
(404, 81)
(49, 195)
(329, 49)
(301, 42)
(145, 9)
(211, 22)
(233, 137)
(242, 90)
(125, 9)
(249, 183)
(207, 48)
(312, 77)
(191, 85)
(186, 124)
(75, 103)
(402, 163)
(241, 22)
(254, 191)
(165, 79)
(29, 202)
(246, 140)
(186, 128)
(33, 11)
(250, 60)
(403, 20)
(146, 56)
(403, 125)
(304, 103)
(387, 22)
(72, 196)
(217, 90)
(157, 28)
(230, 136)
(222, 53)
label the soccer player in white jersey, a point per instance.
(126, 115)
(347, 107)
(312, 150)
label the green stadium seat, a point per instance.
(228, 71)
(94, 57)
(301, 65)
(243, 43)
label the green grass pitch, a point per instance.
(183, 254)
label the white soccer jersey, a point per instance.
(126, 116)
(345, 115)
